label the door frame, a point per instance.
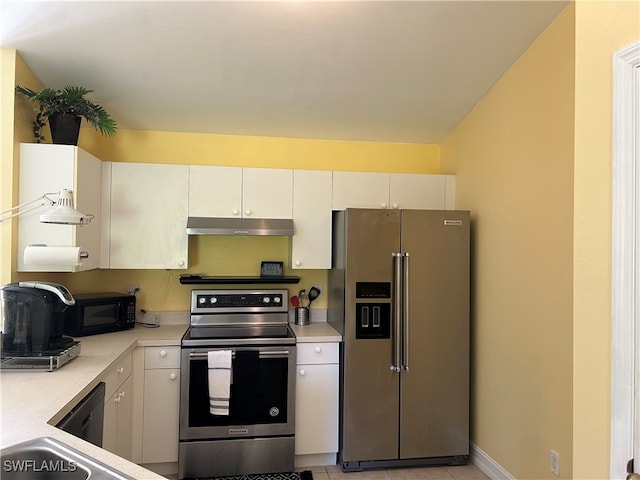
(625, 275)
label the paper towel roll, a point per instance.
(44, 255)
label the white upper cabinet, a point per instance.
(415, 191)
(149, 208)
(450, 193)
(267, 193)
(215, 191)
(311, 242)
(240, 192)
(360, 190)
(46, 168)
(390, 190)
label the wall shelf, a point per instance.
(215, 280)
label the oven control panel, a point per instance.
(238, 301)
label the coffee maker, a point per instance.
(32, 325)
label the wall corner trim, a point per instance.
(624, 276)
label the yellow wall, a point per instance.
(16, 115)
(513, 157)
(203, 149)
(533, 162)
(7, 86)
(601, 29)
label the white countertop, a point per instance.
(32, 402)
(315, 332)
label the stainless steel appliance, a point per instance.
(32, 326)
(257, 435)
(103, 312)
(86, 419)
(399, 294)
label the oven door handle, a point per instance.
(265, 354)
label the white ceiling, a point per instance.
(354, 70)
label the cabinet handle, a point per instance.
(181, 263)
(163, 353)
(298, 263)
(117, 399)
(172, 376)
(303, 372)
(248, 212)
(395, 205)
(122, 394)
(235, 211)
(120, 370)
(384, 205)
(318, 349)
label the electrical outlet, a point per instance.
(554, 462)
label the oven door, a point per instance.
(261, 399)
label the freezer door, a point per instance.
(434, 413)
(370, 389)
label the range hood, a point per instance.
(240, 226)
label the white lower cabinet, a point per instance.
(317, 398)
(161, 404)
(118, 408)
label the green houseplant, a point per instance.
(64, 110)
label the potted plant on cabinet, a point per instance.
(64, 110)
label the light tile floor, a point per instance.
(463, 472)
(333, 472)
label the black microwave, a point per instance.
(96, 313)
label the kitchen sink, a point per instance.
(46, 458)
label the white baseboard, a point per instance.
(488, 465)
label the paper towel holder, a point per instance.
(83, 255)
(62, 214)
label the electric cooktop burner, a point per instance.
(238, 317)
(233, 335)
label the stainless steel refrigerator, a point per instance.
(399, 295)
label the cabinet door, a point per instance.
(317, 409)
(416, 191)
(311, 242)
(110, 427)
(116, 436)
(215, 191)
(267, 193)
(450, 192)
(360, 190)
(48, 168)
(149, 207)
(88, 201)
(125, 405)
(161, 411)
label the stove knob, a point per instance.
(266, 300)
(213, 300)
(201, 300)
(276, 299)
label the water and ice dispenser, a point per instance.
(373, 310)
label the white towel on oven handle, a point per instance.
(219, 376)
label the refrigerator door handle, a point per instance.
(396, 312)
(405, 313)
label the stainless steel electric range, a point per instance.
(256, 434)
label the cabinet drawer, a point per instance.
(161, 357)
(316, 353)
(117, 373)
